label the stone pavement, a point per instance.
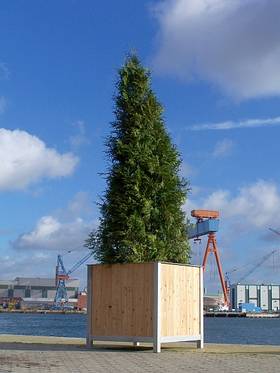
(41, 355)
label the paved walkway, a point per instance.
(41, 355)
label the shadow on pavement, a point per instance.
(210, 349)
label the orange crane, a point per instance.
(207, 223)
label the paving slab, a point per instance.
(56, 354)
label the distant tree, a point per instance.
(141, 211)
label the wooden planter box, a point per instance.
(146, 302)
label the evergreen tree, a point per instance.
(141, 216)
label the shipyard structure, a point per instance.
(34, 292)
(265, 296)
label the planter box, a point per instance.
(146, 302)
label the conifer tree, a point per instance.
(141, 211)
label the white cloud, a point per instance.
(223, 148)
(231, 43)
(254, 206)
(42, 264)
(228, 125)
(80, 138)
(245, 216)
(3, 104)
(52, 234)
(25, 159)
(64, 229)
(34, 253)
(22, 265)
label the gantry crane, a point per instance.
(61, 276)
(207, 223)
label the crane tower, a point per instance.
(207, 223)
(61, 276)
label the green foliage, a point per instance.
(141, 216)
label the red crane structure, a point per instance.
(207, 223)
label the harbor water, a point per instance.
(217, 330)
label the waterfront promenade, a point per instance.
(52, 354)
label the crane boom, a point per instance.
(263, 260)
(274, 231)
(79, 263)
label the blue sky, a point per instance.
(215, 68)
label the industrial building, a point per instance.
(30, 288)
(213, 302)
(267, 297)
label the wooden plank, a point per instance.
(180, 300)
(122, 300)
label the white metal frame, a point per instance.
(157, 315)
(89, 307)
(200, 342)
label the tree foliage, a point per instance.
(141, 211)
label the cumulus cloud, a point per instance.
(64, 229)
(228, 125)
(223, 148)
(34, 253)
(245, 216)
(22, 265)
(231, 43)
(52, 234)
(42, 264)
(25, 159)
(257, 205)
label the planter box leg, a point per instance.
(156, 346)
(89, 342)
(200, 344)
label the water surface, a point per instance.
(217, 330)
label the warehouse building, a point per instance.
(35, 288)
(212, 302)
(267, 297)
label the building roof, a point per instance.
(252, 284)
(38, 281)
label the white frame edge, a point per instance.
(157, 316)
(200, 343)
(89, 306)
(180, 338)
